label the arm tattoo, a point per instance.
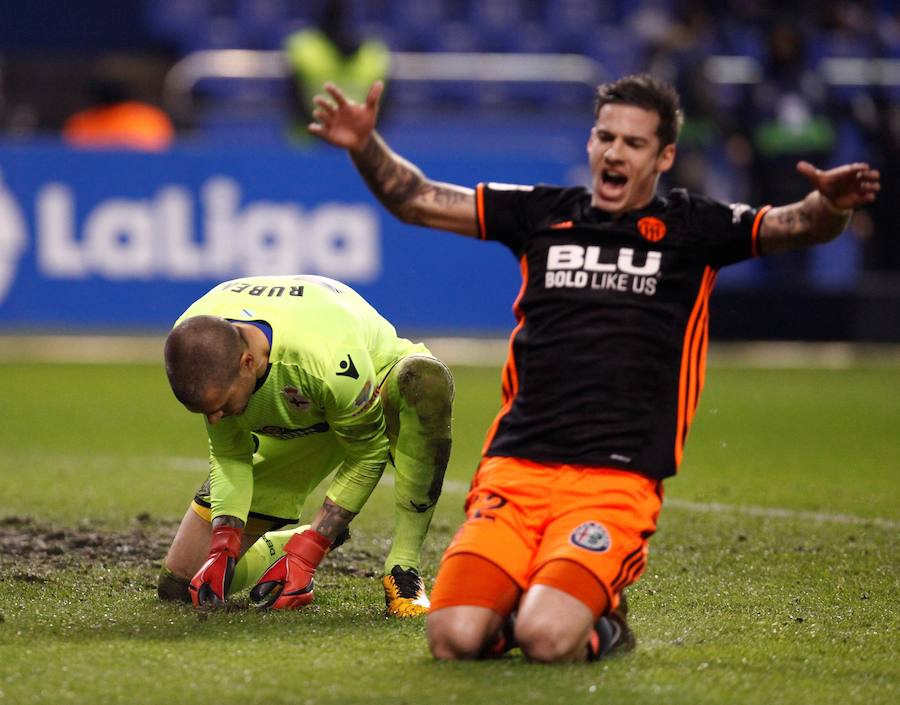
(799, 225)
(393, 180)
(227, 521)
(331, 519)
(794, 218)
(443, 196)
(400, 185)
(431, 193)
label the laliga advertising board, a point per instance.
(112, 240)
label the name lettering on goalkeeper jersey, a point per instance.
(605, 269)
(239, 287)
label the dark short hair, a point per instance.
(201, 352)
(650, 93)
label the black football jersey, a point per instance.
(607, 361)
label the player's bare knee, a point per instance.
(451, 650)
(546, 641)
(427, 386)
(453, 639)
(545, 650)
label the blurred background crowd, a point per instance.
(763, 84)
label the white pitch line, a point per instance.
(149, 463)
(199, 464)
(780, 513)
(454, 350)
(457, 487)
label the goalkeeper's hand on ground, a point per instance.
(288, 584)
(210, 585)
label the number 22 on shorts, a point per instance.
(483, 505)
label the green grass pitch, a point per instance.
(773, 577)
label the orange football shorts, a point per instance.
(522, 515)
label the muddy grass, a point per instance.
(32, 551)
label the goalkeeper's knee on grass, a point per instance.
(255, 561)
(171, 588)
(248, 570)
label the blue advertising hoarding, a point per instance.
(112, 240)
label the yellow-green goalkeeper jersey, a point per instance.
(330, 349)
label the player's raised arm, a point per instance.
(824, 213)
(400, 185)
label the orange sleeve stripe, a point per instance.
(693, 361)
(754, 234)
(697, 358)
(701, 360)
(510, 374)
(479, 208)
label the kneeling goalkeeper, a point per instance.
(297, 377)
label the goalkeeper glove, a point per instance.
(211, 583)
(288, 584)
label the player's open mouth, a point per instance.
(612, 183)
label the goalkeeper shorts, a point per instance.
(285, 473)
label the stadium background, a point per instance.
(773, 576)
(116, 241)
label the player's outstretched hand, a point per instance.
(344, 122)
(288, 583)
(210, 585)
(846, 187)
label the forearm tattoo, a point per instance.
(801, 224)
(794, 218)
(443, 196)
(390, 179)
(398, 184)
(332, 519)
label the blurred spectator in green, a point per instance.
(332, 52)
(787, 118)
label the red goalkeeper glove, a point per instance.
(211, 583)
(288, 584)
